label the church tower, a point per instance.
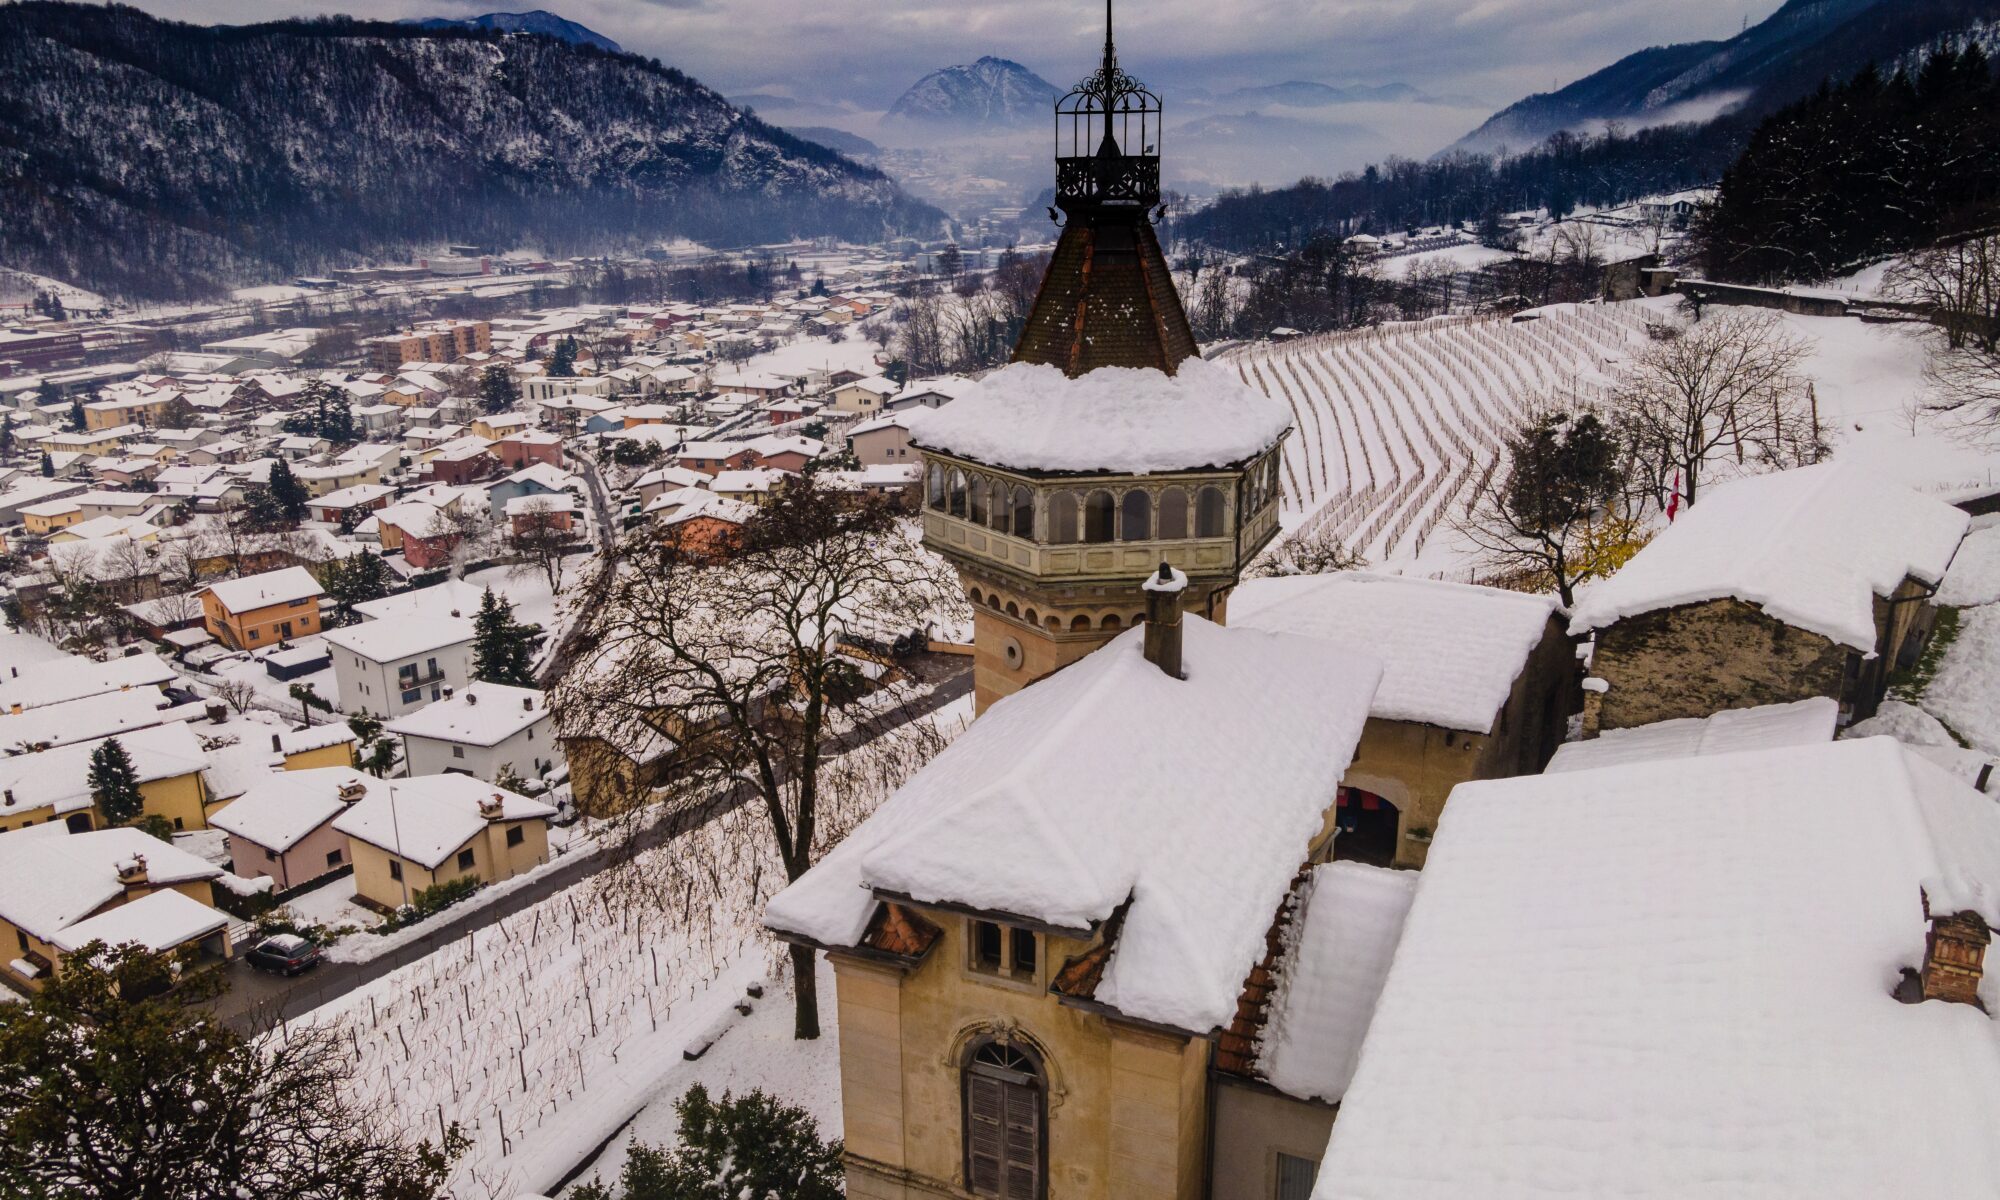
(1107, 446)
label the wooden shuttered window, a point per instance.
(1003, 1125)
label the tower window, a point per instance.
(996, 949)
(1003, 500)
(935, 486)
(956, 501)
(1005, 1126)
(1024, 513)
(1208, 519)
(1136, 517)
(1173, 513)
(1098, 516)
(976, 510)
(986, 946)
(1062, 517)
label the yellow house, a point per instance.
(262, 610)
(50, 515)
(1038, 941)
(53, 785)
(417, 833)
(140, 410)
(60, 891)
(329, 745)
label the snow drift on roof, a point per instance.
(1193, 799)
(1812, 547)
(1450, 651)
(1765, 727)
(1673, 979)
(1128, 420)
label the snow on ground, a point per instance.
(270, 293)
(1965, 693)
(333, 906)
(529, 592)
(804, 354)
(1468, 257)
(1975, 574)
(758, 1052)
(275, 692)
(209, 845)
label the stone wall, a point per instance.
(1698, 659)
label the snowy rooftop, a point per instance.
(158, 921)
(71, 677)
(1337, 954)
(427, 818)
(80, 720)
(59, 777)
(1766, 727)
(388, 640)
(1673, 979)
(1450, 651)
(51, 878)
(1812, 547)
(262, 591)
(283, 807)
(438, 600)
(314, 737)
(1192, 799)
(484, 714)
(1134, 421)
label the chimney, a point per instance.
(1163, 619)
(132, 872)
(10, 797)
(352, 791)
(527, 704)
(276, 746)
(1954, 955)
(447, 691)
(492, 806)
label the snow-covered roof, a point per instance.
(1337, 953)
(315, 737)
(1450, 652)
(1812, 547)
(282, 808)
(1800, 723)
(902, 418)
(158, 920)
(51, 878)
(541, 502)
(753, 479)
(60, 777)
(1032, 417)
(388, 640)
(1188, 802)
(1674, 979)
(78, 720)
(72, 677)
(484, 714)
(262, 591)
(426, 819)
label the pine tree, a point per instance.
(563, 363)
(743, 1146)
(286, 490)
(378, 754)
(114, 784)
(356, 580)
(76, 417)
(497, 389)
(501, 649)
(48, 466)
(6, 438)
(261, 509)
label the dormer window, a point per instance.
(1007, 950)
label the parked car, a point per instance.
(284, 953)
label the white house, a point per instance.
(480, 730)
(393, 667)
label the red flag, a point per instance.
(1674, 501)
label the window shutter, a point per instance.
(985, 1110)
(1024, 1130)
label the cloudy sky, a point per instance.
(865, 52)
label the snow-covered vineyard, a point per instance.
(1395, 424)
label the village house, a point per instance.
(351, 503)
(60, 891)
(787, 453)
(1494, 704)
(53, 785)
(756, 486)
(930, 393)
(527, 515)
(86, 719)
(410, 834)
(330, 744)
(73, 677)
(481, 731)
(667, 479)
(863, 397)
(282, 827)
(540, 479)
(711, 458)
(260, 611)
(703, 526)
(529, 447)
(885, 440)
(390, 667)
(1772, 588)
(425, 533)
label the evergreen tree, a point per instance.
(114, 784)
(6, 438)
(337, 419)
(309, 699)
(562, 364)
(497, 390)
(76, 417)
(356, 580)
(743, 1146)
(261, 509)
(115, 1085)
(287, 492)
(48, 466)
(502, 650)
(377, 754)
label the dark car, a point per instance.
(286, 953)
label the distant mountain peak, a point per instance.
(538, 20)
(988, 92)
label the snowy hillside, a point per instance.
(989, 93)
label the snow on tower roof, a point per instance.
(1812, 547)
(1336, 956)
(1188, 802)
(1124, 420)
(1450, 651)
(1674, 979)
(1765, 727)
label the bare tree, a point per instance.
(753, 665)
(1959, 283)
(1965, 391)
(1726, 388)
(1314, 552)
(541, 535)
(238, 694)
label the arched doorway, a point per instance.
(1006, 1111)
(1365, 828)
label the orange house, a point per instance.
(262, 610)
